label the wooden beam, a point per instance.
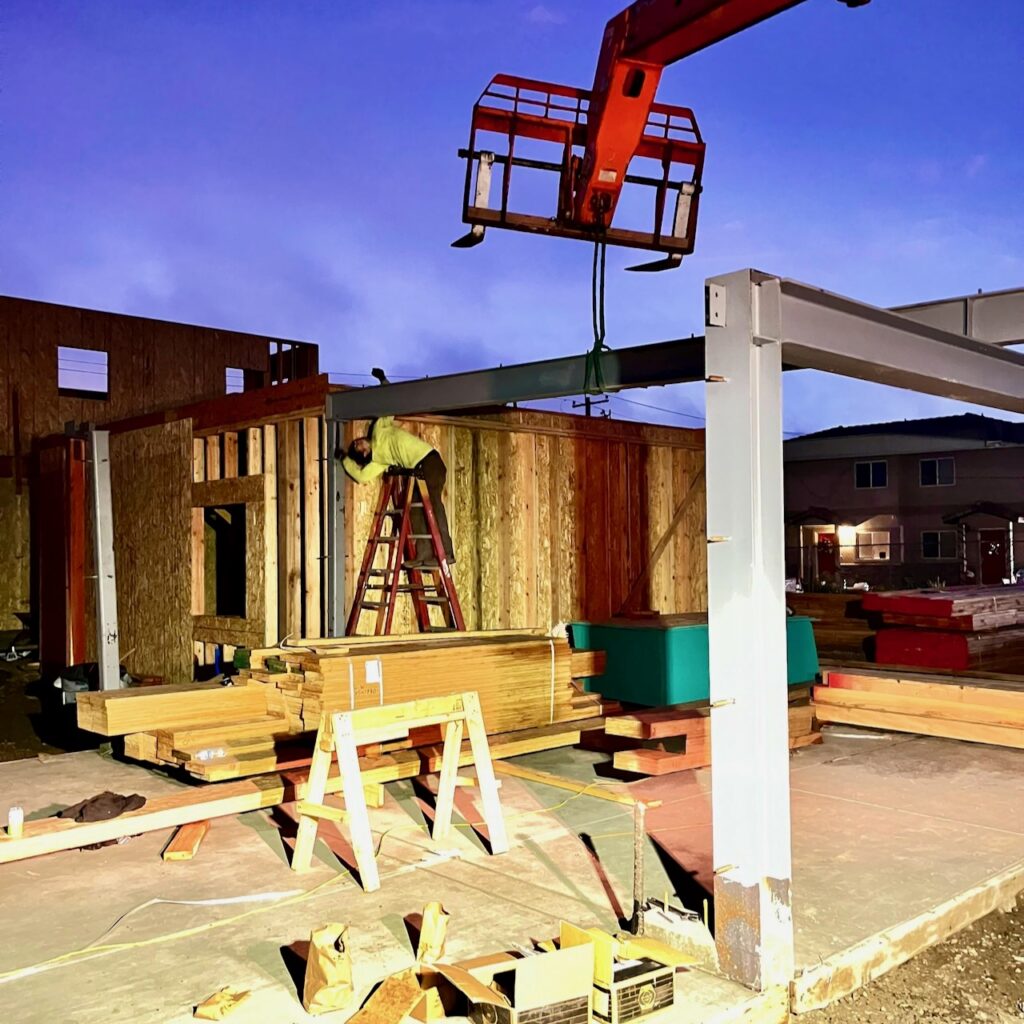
(312, 525)
(289, 511)
(49, 835)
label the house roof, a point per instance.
(967, 426)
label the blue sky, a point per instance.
(290, 168)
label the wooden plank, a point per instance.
(230, 449)
(680, 720)
(996, 693)
(145, 708)
(925, 706)
(596, 789)
(658, 762)
(235, 491)
(289, 549)
(49, 835)
(970, 731)
(588, 664)
(186, 841)
(312, 525)
(270, 535)
(213, 464)
(254, 451)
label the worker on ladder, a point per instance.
(389, 446)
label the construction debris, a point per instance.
(328, 983)
(221, 1003)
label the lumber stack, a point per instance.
(842, 626)
(525, 682)
(678, 738)
(962, 629)
(979, 710)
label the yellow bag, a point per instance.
(328, 970)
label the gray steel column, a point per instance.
(747, 626)
(107, 640)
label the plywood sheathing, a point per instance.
(153, 548)
(554, 517)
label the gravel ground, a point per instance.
(977, 975)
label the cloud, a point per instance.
(541, 14)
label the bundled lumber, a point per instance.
(525, 682)
(976, 710)
(118, 712)
(960, 629)
(842, 625)
(678, 738)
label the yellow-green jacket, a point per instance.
(390, 446)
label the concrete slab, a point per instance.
(896, 841)
(187, 929)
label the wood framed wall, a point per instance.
(554, 517)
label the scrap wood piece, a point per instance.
(394, 999)
(221, 1003)
(184, 844)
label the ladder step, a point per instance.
(374, 604)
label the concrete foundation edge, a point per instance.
(839, 975)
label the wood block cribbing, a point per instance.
(679, 738)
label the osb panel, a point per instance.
(554, 518)
(152, 364)
(14, 553)
(152, 508)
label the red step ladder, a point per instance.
(430, 586)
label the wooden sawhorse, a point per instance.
(341, 732)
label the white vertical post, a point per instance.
(747, 627)
(107, 641)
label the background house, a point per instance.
(908, 503)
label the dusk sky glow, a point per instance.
(290, 168)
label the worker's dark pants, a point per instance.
(434, 473)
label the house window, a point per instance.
(868, 475)
(873, 546)
(938, 472)
(82, 373)
(938, 544)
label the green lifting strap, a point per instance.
(592, 365)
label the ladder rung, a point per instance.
(374, 604)
(420, 536)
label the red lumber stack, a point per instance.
(959, 629)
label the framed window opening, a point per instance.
(83, 373)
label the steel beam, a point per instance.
(747, 635)
(994, 317)
(107, 639)
(667, 362)
(822, 331)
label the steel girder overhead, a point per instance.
(666, 362)
(995, 317)
(755, 322)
